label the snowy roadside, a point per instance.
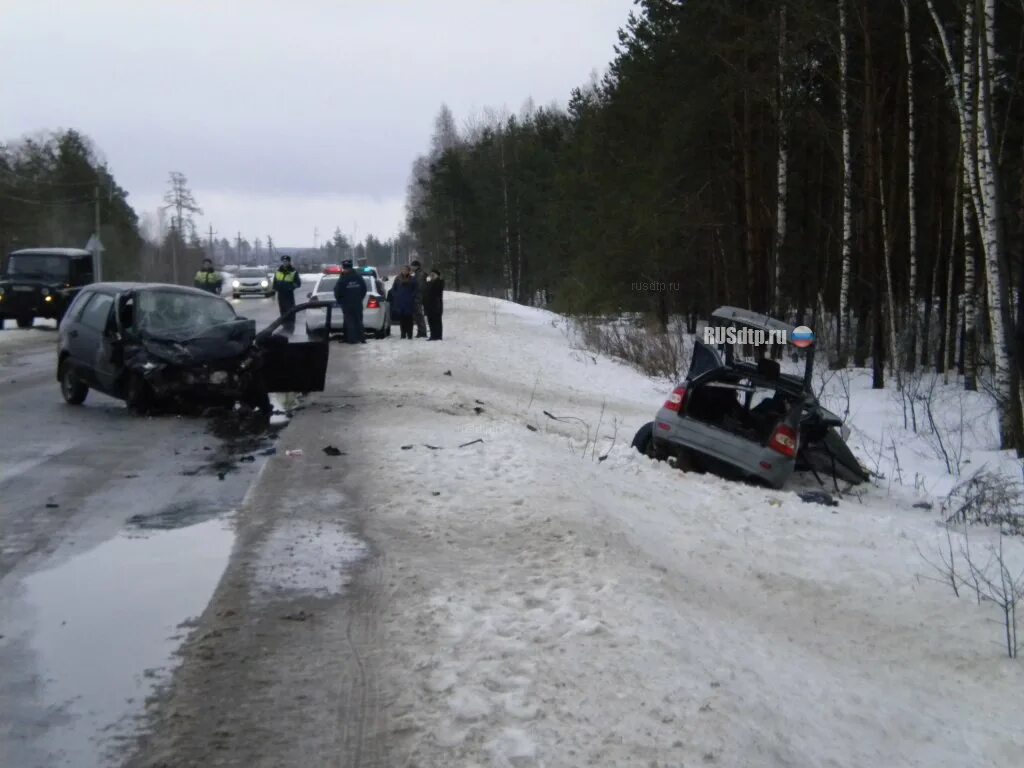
(12, 337)
(468, 583)
(549, 608)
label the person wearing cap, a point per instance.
(349, 292)
(421, 284)
(286, 280)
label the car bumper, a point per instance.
(21, 304)
(373, 319)
(243, 290)
(673, 433)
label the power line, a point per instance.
(30, 180)
(45, 202)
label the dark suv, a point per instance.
(152, 345)
(42, 282)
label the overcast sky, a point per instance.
(292, 114)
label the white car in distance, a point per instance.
(376, 310)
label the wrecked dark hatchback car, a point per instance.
(746, 419)
(155, 344)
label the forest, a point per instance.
(52, 188)
(853, 165)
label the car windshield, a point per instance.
(178, 315)
(38, 265)
(252, 273)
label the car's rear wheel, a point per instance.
(138, 394)
(643, 441)
(25, 321)
(71, 387)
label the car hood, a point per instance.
(221, 342)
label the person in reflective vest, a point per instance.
(208, 279)
(286, 280)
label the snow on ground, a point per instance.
(42, 328)
(548, 608)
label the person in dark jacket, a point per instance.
(403, 305)
(349, 292)
(208, 279)
(286, 280)
(433, 303)
(421, 282)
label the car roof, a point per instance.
(123, 287)
(74, 252)
(752, 319)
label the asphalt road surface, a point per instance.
(112, 536)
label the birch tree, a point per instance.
(913, 320)
(972, 94)
(842, 324)
(781, 167)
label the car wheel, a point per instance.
(380, 333)
(71, 387)
(643, 441)
(25, 321)
(138, 394)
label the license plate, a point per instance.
(23, 288)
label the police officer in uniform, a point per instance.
(286, 280)
(208, 279)
(349, 292)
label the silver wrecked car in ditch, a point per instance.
(747, 419)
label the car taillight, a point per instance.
(676, 400)
(372, 303)
(784, 440)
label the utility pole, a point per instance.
(238, 246)
(212, 233)
(316, 236)
(97, 254)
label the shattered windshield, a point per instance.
(38, 265)
(178, 315)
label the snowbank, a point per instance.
(547, 607)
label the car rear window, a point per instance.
(326, 284)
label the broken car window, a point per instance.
(178, 315)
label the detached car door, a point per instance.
(299, 364)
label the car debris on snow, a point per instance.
(818, 497)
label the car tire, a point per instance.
(381, 333)
(137, 394)
(25, 321)
(72, 388)
(643, 441)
